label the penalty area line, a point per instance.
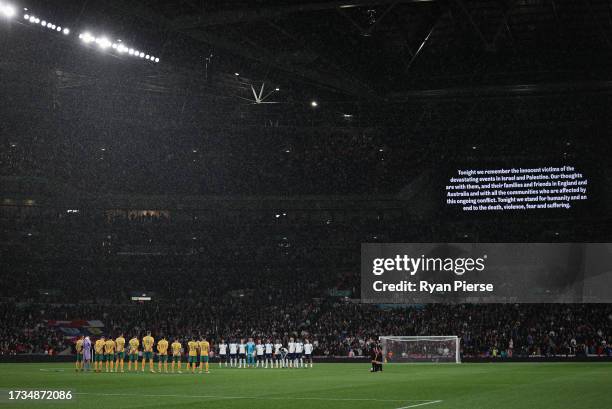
(431, 402)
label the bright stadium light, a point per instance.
(26, 16)
(7, 10)
(66, 31)
(43, 23)
(87, 37)
(314, 104)
(59, 28)
(103, 42)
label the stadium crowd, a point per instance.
(336, 328)
(269, 278)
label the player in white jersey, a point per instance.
(259, 355)
(291, 355)
(299, 350)
(233, 353)
(268, 347)
(223, 353)
(242, 354)
(278, 357)
(308, 347)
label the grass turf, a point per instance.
(444, 386)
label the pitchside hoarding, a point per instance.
(409, 273)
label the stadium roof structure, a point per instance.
(411, 83)
(375, 49)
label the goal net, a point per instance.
(404, 349)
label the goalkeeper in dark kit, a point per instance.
(376, 356)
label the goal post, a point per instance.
(409, 349)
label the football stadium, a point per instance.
(384, 204)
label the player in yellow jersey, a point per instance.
(99, 348)
(176, 354)
(192, 346)
(162, 354)
(109, 354)
(147, 349)
(79, 354)
(120, 353)
(133, 352)
(204, 349)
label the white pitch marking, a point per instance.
(420, 404)
(426, 402)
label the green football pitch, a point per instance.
(431, 386)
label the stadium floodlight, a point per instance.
(43, 23)
(314, 104)
(410, 349)
(26, 16)
(103, 42)
(87, 37)
(8, 10)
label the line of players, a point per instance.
(109, 354)
(241, 354)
